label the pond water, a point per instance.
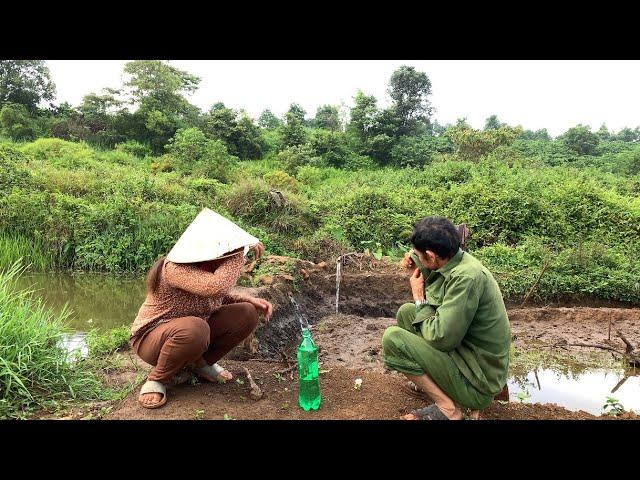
(586, 391)
(96, 301)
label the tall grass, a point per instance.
(14, 248)
(35, 371)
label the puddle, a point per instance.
(586, 391)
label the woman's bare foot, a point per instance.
(150, 399)
(225, 375)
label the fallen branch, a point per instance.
(533, 287)
(256, 392)
(630, 347)
(590, 345)
(287, 370)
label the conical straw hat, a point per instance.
(209, 236)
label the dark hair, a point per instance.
(437, 234)
(155, 272)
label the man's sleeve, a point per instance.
(446, 329)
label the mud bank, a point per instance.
(350, 347)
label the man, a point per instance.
(453, 342)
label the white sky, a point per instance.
(535, 94)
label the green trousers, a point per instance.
(406, 351)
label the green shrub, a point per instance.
(279, 179)
(295, 157)
(135, 148)
(106, 343)
(35, 369)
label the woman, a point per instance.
(189, 317)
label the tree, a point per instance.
(268, 120)
(293, 132)
(241, 136)
(603, 133)
(363, 115)
(627, 135)
(159, 88)
(16, 123)
(409, 91)
(297, 111)
(327, 117)
(473, 144)
(581, 140)
(541, 134)
(25, 82)
(492, 123)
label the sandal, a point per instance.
(432, 412)
(211, 373)
(151, 386)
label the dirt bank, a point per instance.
(349, 348)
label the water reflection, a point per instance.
(586, 391)
(96, 300)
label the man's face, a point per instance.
(428, 259)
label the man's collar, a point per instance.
(452, 263)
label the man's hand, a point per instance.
(417, 285)
(262, 305)
(407, 262)
(258, 250)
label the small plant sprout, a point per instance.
(612, 407)
(228, 417)
(198, 414)
(357, 384)
(239, 381)
(523, 396)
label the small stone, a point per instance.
(322, 265)
(287, 277)
(266, 280)
(304, 273)
(372, 327)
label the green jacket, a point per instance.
(465, 316)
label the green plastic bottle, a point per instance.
(309, 383)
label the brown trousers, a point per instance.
(179, 342)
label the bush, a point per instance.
(281, 180)
(418, 151)
(12, 171)
(135, 148)
(195, 154)
(581, 140)
(295, 157)
(16, 123)
(104, 344)
(473, 144)
(37, 371)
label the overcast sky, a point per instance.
(535, 94)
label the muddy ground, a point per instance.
(349, 348)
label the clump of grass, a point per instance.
(36, 372)
(14, 248)
(106, 343)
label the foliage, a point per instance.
(473, 144)
(106, 343)
(35, 369)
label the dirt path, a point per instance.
(380, 398)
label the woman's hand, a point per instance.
(263, 306)
(258, 250)
(417, 285)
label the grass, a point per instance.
(35, 371)
(17, 248)
(107, 343)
